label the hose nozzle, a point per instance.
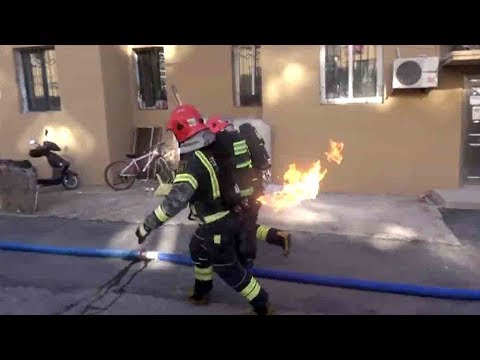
(148, 255)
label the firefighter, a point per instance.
(212, 247)
(256, 172)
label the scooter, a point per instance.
(61, 172)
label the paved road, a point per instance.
(48, 284)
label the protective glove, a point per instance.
(163, 188)
(142, 232)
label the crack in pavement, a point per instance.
(104, 289)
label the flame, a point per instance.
(299, 186)
(335, 153)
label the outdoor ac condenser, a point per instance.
(415, 73)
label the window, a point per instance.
(351, 74)
(247, 75)
(151, 78)
(38, 79)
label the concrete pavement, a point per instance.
(161, 287)
(396, 239)
(379, 217)
(23, 300)
(465, 198)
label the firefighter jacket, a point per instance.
(196, 185)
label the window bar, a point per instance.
(29, 81)
(46, 93)
(379, 70)
(236, 70)
(137, 70)
(366, 59)
(350, 72)
(50, 63)
(323, 89)
(254, 67)
(152, 57)
(337, 58)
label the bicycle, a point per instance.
(121, 175)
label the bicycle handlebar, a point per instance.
(157, 145)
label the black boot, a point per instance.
(262, 310)
(201, 292)
(199, 299)
(280, 238)
(261, 304)
(265, 310)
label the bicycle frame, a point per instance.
(150, 155)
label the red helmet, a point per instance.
(185, 121)
(216, 124)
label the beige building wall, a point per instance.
(407, 145)
(119, 99)
(79, 128)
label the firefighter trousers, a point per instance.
(213, 248)
(254, 232)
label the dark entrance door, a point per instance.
(471, 144)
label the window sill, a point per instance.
(159, 105)
(343, 101)
(41, 111)
(152, 109)
(248, 106)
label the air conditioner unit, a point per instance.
(415, 73)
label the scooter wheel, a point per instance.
(70, 182)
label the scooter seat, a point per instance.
(132, 156)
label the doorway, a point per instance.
(471, 133)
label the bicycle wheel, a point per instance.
(113, 178)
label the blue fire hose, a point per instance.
(282, 275)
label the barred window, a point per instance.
(247, 74)
(38, 79)
(151, 78)
(351, 73)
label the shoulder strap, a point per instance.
(211, 171)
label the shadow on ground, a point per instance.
(465, 224)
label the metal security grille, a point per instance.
(463, 47)
(152, 80)
(247, 75)
(40, 78)
(336, 71)
(351, 71)
(364, 71)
